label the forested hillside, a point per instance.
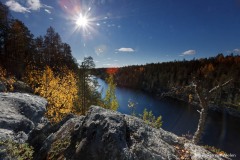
(175, 77)
(46, 64)
(19, 48)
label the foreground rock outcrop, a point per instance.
(107, 135)
(100, 135)
(20, 114)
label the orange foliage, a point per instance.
(112, 70)
(7, 81)
(207, 69)
(141, 69)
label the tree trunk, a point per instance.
(201, 125)
(203, 99)
(203, 115)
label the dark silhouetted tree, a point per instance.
(85, 82)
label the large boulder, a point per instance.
(107, 135)
(20, 114)
(22, 87)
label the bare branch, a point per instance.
(218, 86)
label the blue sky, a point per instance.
(129, 32)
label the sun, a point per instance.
(82, 21)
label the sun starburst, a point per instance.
(82, 21)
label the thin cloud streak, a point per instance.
(48, 11)
(188, 53)
(125, 50)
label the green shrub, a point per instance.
(58, 147)
(19, 151)
(150, 119)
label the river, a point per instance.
(222, 131)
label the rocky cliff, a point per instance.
(100, 135)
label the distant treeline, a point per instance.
(19, 48)
(168, 76)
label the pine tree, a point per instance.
(85, 80)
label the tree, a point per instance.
(204, 104)
(4, 26)
(151, 120)
(18, 48)
(52, 48)
(85, 81)
(39, 58)
(132, 107)
(59, 89)
(110, 101)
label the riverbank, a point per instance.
(161, 93)
(182, 118)
(230, 111)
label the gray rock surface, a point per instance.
(3, 87)
(22, 87)
(100, 135)
(107, 135)
(20, 113)
(198, 153)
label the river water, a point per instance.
(222, 131)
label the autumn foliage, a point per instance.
(112, 70)
(60, 89)
(6, 79)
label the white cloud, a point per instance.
(115, 60)
(125, 50)
(48, 11)
(188, 52)
(28, 6)
(16, 7)
(236, 51)
(34, 4)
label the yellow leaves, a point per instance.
(6, 80)
(110, 100)
(59, 89)
(3, 73)
(207, 69)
